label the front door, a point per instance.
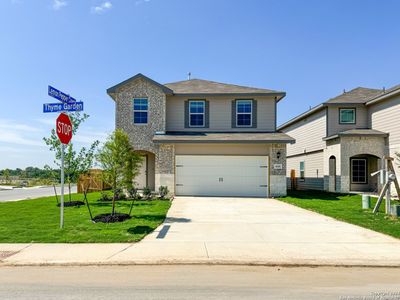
(141, 178)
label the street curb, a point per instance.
(188, 263)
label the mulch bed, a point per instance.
(72, 203)
(111, 218)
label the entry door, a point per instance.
(205, 175)
(141, 178)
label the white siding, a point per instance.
(313, 170)
(220, 114)
(385, 116)
(308, 134)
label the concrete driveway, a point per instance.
(266, 231)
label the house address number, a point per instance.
(277, 166)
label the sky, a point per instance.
(312, 50)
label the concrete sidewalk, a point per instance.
(228, 231)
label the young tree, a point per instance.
(119, 162)
(74, 163)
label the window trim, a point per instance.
(366, 170)
(348, 108)
(304, 170)
(140, 110)
(203, 113)
(246, 113)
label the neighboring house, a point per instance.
(340, 142)
(204, 138)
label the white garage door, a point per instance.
(205, 175)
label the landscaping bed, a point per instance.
(345, 208)
(38, 220)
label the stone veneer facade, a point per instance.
(343, 148)
(141, 136)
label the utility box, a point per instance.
(366, 201)
(395, 211)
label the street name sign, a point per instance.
(53, 92)
(64, 128)
(59, 107)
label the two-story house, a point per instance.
(204, 138)
(340, 142)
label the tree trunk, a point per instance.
(113, 201)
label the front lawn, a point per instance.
(38, 221)
(345, 208)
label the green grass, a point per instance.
(345, 208)
(38, 221)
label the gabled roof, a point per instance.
(384, 94)
(206, 87)
(113, 89)
(201, 87)
(358, 95)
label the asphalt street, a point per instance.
(198, 282)
(30, 193)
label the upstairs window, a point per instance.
(196, 113)
(302, 175)
(244, 111)
(140, 111)
(347, 115)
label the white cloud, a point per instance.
(50, 122)
(99, 9)
(58, 4)
(10, 125)
(13, 132)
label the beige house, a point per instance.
(204, 138)
(340, 142)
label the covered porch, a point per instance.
(351, 157)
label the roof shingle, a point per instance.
(199, 86)
(223, 137)
(358, 95)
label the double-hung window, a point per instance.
(302, 175)
(347, 115)
(196, 113)
(244, 110)
(358, 170)
(140, 111)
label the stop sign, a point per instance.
(64, 128)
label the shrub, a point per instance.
(119, 194)
(132, 192)
(146, 193)
(105, 196)
(163, 191)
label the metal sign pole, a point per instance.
(62, 188)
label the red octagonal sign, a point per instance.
(64, 128)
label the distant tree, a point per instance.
(119, 162)
(74, 163)
(6, 175)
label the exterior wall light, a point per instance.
(278, 154)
